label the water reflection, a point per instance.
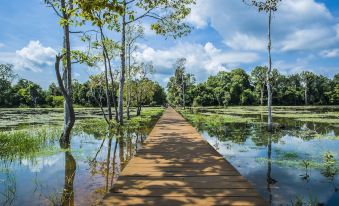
(78, 175)
(286, 165)
(70, 169)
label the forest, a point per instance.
(240, 88)
(25, 93)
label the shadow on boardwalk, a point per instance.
(176, 166)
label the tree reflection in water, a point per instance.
(70, 169)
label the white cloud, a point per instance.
(294, 25)
(199, 14)
(245, 42)
(309, 39)
(33, 57)
(36, 53)
(331, 53)
(201, 59)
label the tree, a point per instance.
(259, 80)
(29, 93)
(180, 84)
(142, 88)
(103, 14)
(167, 19)
(335, 90)
(159, 97)
(65, 10)
(6, 77)
(268, 6)
(306, 78)
(133, 33)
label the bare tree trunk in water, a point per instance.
(65, 137)
(70, 168)
(66, 83)
(123, 67)
(268, 76)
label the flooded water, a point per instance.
(80, 175)
(297, 163)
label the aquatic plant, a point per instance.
(28, 143)
(330, 169)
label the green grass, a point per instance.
(27, 143)
(211, 119)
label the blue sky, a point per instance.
(227, 34)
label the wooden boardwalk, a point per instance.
(176, 166)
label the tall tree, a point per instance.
(65, 10)
(180, 84)
(259, 79)
(269, 7)
(306, 78)
(142, 88)
(103, 14)
(6, 77)
(133, 33)
(167, 19)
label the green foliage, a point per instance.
(180, 86)
(238, 88)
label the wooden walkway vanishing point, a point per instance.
(176, 166)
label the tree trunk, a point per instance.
(107, 90)
(306, 98)
(114, 100)
(268, 76)
(262, 95)
(123, 67)
(139, 110)
(65, 137)
(183, 90)
(66, 81)
(128, 96)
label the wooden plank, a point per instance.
(112, 199)
(187, 192)
(176, 166)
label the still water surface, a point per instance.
(287, 166)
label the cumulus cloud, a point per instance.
(298, 25)
(34, 57)
(201, 59)
(308, 39)
(245, 42)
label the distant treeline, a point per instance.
(239, 88)
(25, 93)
